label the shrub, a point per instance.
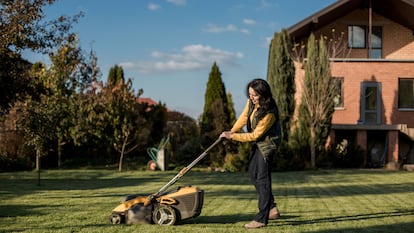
(287, 158)
(187, 152)
(347, 155)
(15, 164)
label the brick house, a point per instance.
(375, 104)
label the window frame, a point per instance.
(377, 48)
(351, 46)
(340, 104)
(409, 108)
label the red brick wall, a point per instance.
(392, 147)
(385, 73)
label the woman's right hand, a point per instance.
(226, 134)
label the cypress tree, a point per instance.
(281, 78)
(318, 96)
(116, 74)
(215, 118)
(232, 112)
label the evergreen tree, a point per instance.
(281, 78)
(318, 96)
(230, 105)
(215, 118)
(116, 74)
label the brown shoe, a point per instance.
(254, 224)
(274, 213)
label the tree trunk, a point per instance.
(37, 160)
(38, 153)
(312, 147)
(121, 158)
(59, 152)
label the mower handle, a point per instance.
(181, 173)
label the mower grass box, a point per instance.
(167, 209)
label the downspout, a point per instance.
(370, 30)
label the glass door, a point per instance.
(371, 103)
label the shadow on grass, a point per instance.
(27, 186)
(71, 229)
(397, 213)
(21, 210)
(346, 190)
(236, 185)
(221, 219)
(397, 227)
(228, 219)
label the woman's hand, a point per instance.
(226, 134)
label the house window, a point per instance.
(376, 42)
(406, 93)
(358, 39)
(339, 92)
(356, 36)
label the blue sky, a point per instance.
(167, 47)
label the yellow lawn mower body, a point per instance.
(166, 209)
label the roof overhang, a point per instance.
(400, 11)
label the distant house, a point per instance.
(375, 104)
(148, 101)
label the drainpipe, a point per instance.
(370, 30)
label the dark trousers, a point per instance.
(261, 177)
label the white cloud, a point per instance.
(191, 57)
(264, 4)
(153, 7)
(249, 21)
(245, 31)
(178, 2)
(127, 65)
(212, 28)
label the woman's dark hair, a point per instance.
(266, 101)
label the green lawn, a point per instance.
(311, 201)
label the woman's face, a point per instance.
(253, 96)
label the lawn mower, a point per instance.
(165, 207)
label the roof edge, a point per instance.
(316, 15)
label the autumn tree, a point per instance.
(281, 78)
(22, 27)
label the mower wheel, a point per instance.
(164, 215)
(115, 218)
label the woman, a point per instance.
(261, 117)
